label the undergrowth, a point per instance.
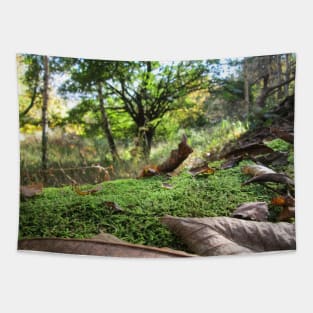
(60, 212)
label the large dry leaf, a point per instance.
(30, 191)
(256, 170)
(249, 149)
(272, 177)
(177, 157)
(100, 247)
(225, 235)
(254, 211)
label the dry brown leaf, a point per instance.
(202, 170)
(256, 170)
(249, 149)
(177, 157)
(148, 171)
(100, 247)
(283, 201)
(225, 235)
(286, 214)
(254, 211)
(233, 161)
(31, 190)
(273, 177)
(86, 192)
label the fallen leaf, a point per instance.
(177, 157)
(225, 235)
(100, 247)
(255, 211)
(272, 177)
(286, 214)
(275, 158)
(86, 192)
(30, 191)
(256, 170)
(112, 205)
(249, 149)
(148, 171)
(202, 170)
(283, 201)
(285, 134)
(233, 161)
(167, 186)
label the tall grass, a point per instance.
(73, 151)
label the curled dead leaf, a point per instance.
(225, 235)
(177, 157)
(256, 170)
(272, 177)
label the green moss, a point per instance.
(60, 212)
(279, 145)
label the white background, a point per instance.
(164, 30)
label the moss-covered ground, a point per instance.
(60, 212)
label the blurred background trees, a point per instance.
(132, 113)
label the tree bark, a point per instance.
(246, 87)
(147, 142)
(279, 76)
(106, 126)
(44, 157)
(286, 87)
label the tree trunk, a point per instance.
(279, 77)
(44, 120)
(286, 87)
(147, 142)
(246, 87)
(106, 126)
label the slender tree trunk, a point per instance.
(279, 77)
(44, 157)
(106, 126)
(246, 87)
(147, 142)
(286, 87)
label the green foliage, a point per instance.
(279, 145)
(60, 212)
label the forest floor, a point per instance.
(62, 212)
